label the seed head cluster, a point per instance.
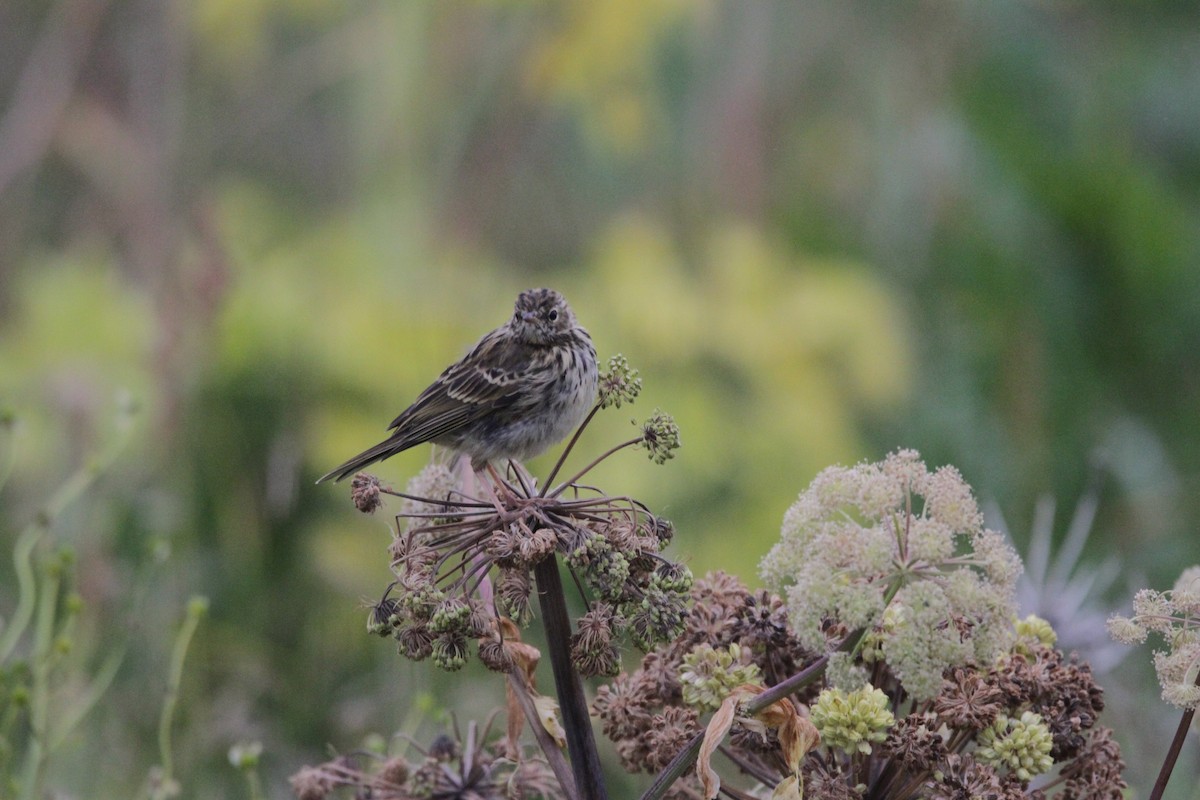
(464, 559)
(729, 637)
(988, 729)
(474, 767)
(876, 563)
(619, 384)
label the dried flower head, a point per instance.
(392, 776)
(472, 768)
(967, 700)
(312, 783)
(985, 733)
(1095, 774)
(593, 646)
(826, 780)
(383, 616)
(364, 491)
(961, 776)
(450, 651)
(718, 647)
(670, 731)
(1060, 689)
(914, 741)
(457, 556)
(624, 706)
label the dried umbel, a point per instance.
(453, 767)
(468, 561)
(724, 643)
(466, 547)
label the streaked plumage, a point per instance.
(520, 389)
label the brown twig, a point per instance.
(1164, 774)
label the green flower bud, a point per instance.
(852, 720)
(619, 384)
(1022, 745)
(709, 675)
(450, 651)
(1033, 630)
(660, 436)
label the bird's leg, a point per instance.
(475, 484)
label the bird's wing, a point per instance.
(488, 379)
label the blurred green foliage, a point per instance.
(820, 231)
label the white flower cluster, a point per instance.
(1175, 616)
(894, 535)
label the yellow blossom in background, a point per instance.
(235, 35)
(600, 61)
(768, 357)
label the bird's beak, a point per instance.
(528, 316)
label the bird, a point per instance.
(520, 389)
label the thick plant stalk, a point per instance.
(1164, 774)
(581, 744)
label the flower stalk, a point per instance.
(1164, 774)
(581, 743)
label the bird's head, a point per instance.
(541, 316)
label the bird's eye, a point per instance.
(553, 315)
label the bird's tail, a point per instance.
(386, 448)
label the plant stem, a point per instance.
(562, 487)
(68, 718)
(1164, 774)
(35, 530)
(197, 607)
(581, 743)
(23, 554)
(8, 422)
(570, 446)
(39, 696)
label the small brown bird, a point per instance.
(522, 388)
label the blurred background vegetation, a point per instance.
(822, 231)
